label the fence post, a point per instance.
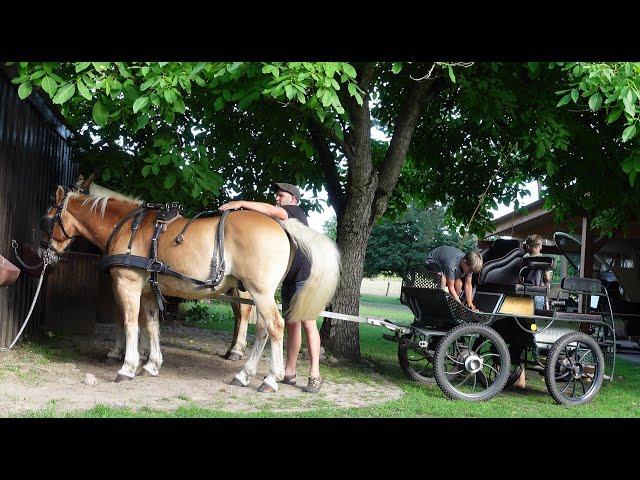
(388, 285)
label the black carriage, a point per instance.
(473, 355)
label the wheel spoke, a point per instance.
(573, 390)
(453, 373)
(465, 380)
(490, 355)
(567, 385)
(453, 359)
(490, 367)
(482, 344)
(475, 378)
(584, 390)
(486, 379)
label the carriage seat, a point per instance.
(532, 266)
(502, 272)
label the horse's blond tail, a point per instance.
(323, 279)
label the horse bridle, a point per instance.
(57, 218)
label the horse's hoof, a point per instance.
(266, 388)
(233, 356)
(236, 383)
(121, 377)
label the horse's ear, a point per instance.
(59, 194)
(87, 183)
(79, 180)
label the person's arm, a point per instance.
(548, 275)
(451, 285)
(266, 208)
(468, 292)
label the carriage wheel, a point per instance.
(472, 363)
(574, 369)
(416, 362)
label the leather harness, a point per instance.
(166, 214)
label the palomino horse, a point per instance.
(243, 314)
(258, 251)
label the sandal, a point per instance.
(314, 385)
(289, 379)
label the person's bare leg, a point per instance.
(294, 341)
(313, 344)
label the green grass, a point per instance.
(379, 299)
(619, 399)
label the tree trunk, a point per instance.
(342, 338)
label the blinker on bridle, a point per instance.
(58, 215)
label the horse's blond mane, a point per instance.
(100, 196)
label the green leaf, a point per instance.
(49, 85)
(632, 177)
(595, 101)
(397, 67)
(170, 96)
(349, 70)
(179, 106)
(636, 163)
(170, 180)
(564, 100)
(358, 98)
(301, 98)
(326, 98)
(84, 91)
(24, 90)
(142, 121)
(628, 164)
(146, 170)
(105, 175)
(218, 104)
(451, 75)
(140, 103)
(614, 115)
(82, 66)
(574, 95)
(290, 91)
(64, 93)
(100, 114)
(629, 133)
(352, 89)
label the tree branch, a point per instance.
(389, 170)
(327, 161)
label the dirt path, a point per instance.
(40, 377)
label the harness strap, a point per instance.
(137, 220)
(180, 236)
(122, 222)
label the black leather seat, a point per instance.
(531, 274)
(502, 273)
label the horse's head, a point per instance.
(58, 226)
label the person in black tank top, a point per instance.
(287, 199)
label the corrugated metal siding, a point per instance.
(35, 157)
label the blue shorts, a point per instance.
(287, 292)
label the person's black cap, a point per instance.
(287, 187)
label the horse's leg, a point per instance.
(270, 323)
(149, 312)
(275, 327)
(251, 366)
(144, 338)
(117, 352)
(128, 288)
(242, 314)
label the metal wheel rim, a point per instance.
(456, 370)
(575, 371)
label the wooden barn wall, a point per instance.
(35, 157)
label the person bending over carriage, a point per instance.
(453, 264)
